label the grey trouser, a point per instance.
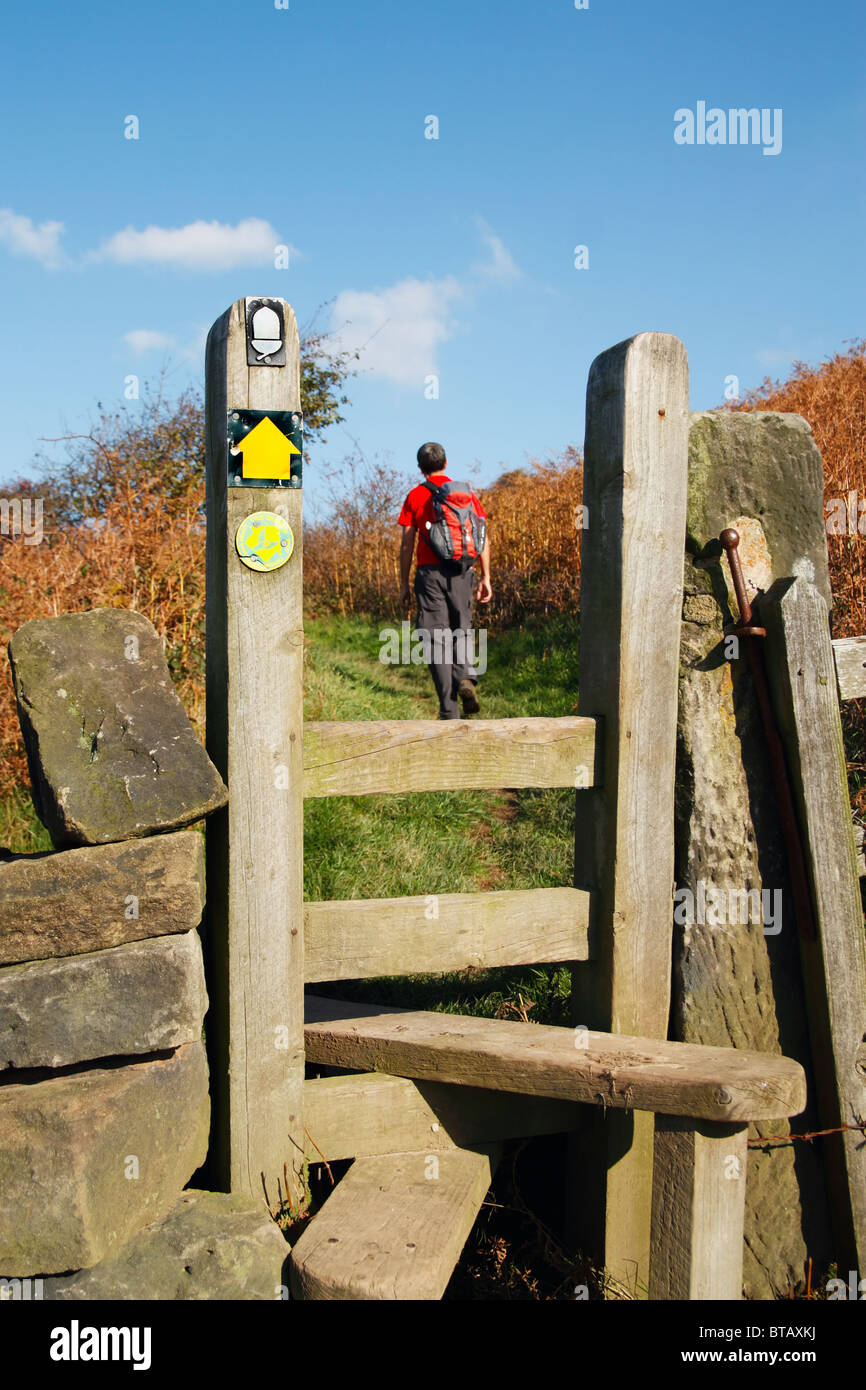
(445, 612)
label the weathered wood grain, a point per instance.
(801, 672)
(410, 755)
(358, 939)
(849, 654)
(699, 1203)
(255, 849)
(368, 1113)
(612, 1071)
(393, 1228)
(635, 481)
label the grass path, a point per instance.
(442, 842)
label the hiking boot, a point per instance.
(468, 697)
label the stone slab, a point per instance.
(111, 752)
(61, 903)
(146, 996)
(211, 1245)
(763, 465)
(89, 1158)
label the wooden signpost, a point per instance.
(254, 936)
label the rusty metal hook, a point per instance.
(730, 540)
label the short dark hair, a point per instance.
(431, 459)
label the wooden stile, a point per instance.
(635, 482)
(800, 668)
(437, 1092)
(254, 937)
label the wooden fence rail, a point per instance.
(361, 939)
(422, 755)
(850, 658)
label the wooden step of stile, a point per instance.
(698, 1230)
(393, 1228)
(724, 1084)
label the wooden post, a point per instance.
(699, 1207)
(801, 672)
(254, 937)
(635, 480)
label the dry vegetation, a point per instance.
(145, 553)
(351, 564)
(832, 398)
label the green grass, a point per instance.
(442, 842)
(20, 829)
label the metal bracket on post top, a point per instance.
(266, 333)
(266, 448)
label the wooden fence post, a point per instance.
(802, 677)
(699, 1193)
(254, 937)
(635, 480)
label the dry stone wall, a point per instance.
(104, 1103)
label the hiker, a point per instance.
(451, 528)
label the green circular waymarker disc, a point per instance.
(264, 541)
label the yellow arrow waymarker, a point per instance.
(267, 453)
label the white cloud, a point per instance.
(22, 237)
(147, 340)
(501, 266)
(144, 340)
(197, 246)
(400, 328)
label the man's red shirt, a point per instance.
(418, 510)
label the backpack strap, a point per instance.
(441, 491)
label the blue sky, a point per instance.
(305, 126)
